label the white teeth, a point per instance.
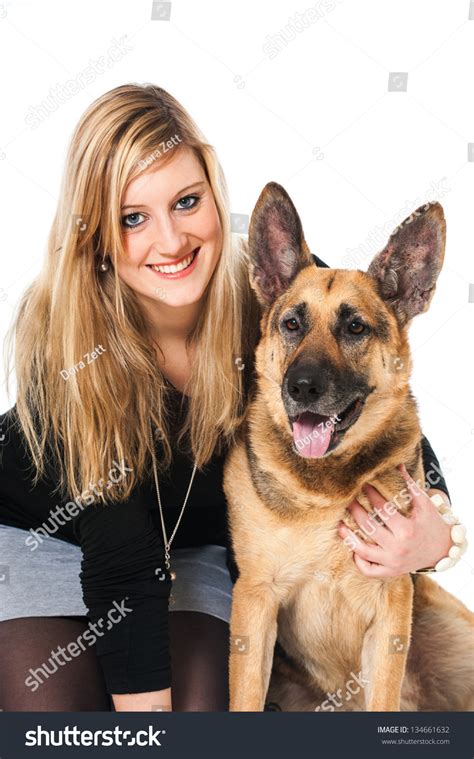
(171, 269)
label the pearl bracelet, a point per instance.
(458, 537)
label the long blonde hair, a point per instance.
(103, 412)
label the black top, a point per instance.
(122, 547)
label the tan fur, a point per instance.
(298, 581)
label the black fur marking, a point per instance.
(275, 320)
(331, 282)
(302, 312)
(346, 312)
(383, 327)
(266, 486)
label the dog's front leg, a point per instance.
(385, 648)
(253, 630)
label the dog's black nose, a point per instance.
(307, 383)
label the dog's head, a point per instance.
(334, 358)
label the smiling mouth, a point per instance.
(315, 435)
(181, 265)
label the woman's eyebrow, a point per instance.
(180, 192)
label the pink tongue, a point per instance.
(312, 435)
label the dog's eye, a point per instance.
(291, 324)
(356, 327)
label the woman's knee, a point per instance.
(36, 674)
(199, 662)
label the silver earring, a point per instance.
(104, 265)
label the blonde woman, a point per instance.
(133, 357)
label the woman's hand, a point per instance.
(403, 543)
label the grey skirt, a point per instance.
(45, 583)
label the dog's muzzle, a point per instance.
(314, 435)
(309, 391)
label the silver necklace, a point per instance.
(167, 543)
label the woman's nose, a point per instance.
(167, 238)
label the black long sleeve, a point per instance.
(433, 473)
(123, 566)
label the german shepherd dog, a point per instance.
(331, 410)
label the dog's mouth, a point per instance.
(314, 435)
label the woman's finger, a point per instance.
(364, 550)
(372, 570)
(413, 487)
(369, 524)
(387, 511)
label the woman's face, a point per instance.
(170, 219)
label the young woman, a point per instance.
(134, 358)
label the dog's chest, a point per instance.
(325, 614)
(301, 557)
(284, 552)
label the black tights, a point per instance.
(199, 648)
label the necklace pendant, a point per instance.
(167, 562)
(167, 542)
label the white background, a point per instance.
(318, 117)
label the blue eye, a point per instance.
(187, 205)
(130, 221)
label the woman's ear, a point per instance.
(276, 244)
(407, 268)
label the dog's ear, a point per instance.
(276, 244)
(407, 268)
